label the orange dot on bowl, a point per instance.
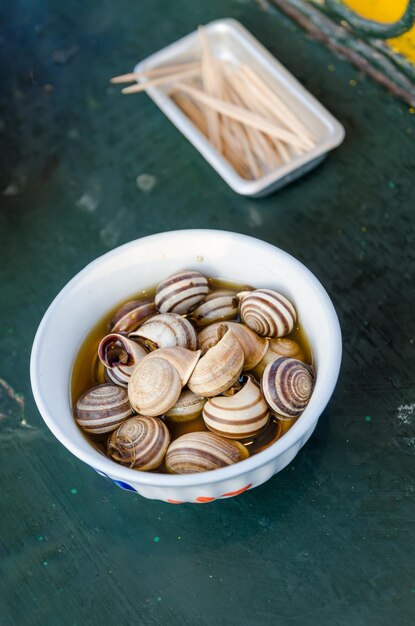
(236, 493)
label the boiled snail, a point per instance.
(220, 365)
(219, 368)
(131, 315)
(187, 408)
(241, 415)
(275, 350)
(166, 331)
(181, 292)
(253, 346)
(218, 306)
(267, 312)
(154, 386)
(140, 442)
(120, 356)
(102, 409)
(202, 452)
(287, 385)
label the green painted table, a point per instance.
(330, 539)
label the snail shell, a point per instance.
(219, 368)
(120, 355)
(131, 315)
(277, 349)
(210, 336)
(140, 442)
(202, 452)
(102, 409)
(181, 291)
(254, 347)
(187, 408)
(239, 416)
(217, 306)
(287, 385)
(267, 312)
(154, 386)
(182, 359)
(168, 330)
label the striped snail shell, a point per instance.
(131, 315)
(102, 409)
(267, 312)
(140, 442)
(187, 408)
(181, 291)
(253, 346)
(168, 330)
(278, 348)
(219, 368)
(239, 416)
(154, 386)
(202, 452)
(287, 385)
(217, 306)
(182, 359)
(120, 355)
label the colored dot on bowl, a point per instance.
(156, 539)
(368, 418)
(74, 491)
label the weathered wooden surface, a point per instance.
(330, 539)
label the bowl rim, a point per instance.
(116, 471)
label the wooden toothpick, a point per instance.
(157, 71)
(208, 81)
(159, 81)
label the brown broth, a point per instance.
(88, 371)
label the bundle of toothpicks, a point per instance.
(244, 119)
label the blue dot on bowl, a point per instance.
(119, 483)
(123, 485)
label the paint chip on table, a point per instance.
(146, 182)
(405, 413)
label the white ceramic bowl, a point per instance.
(120, 274)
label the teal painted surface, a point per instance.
(330, 539)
